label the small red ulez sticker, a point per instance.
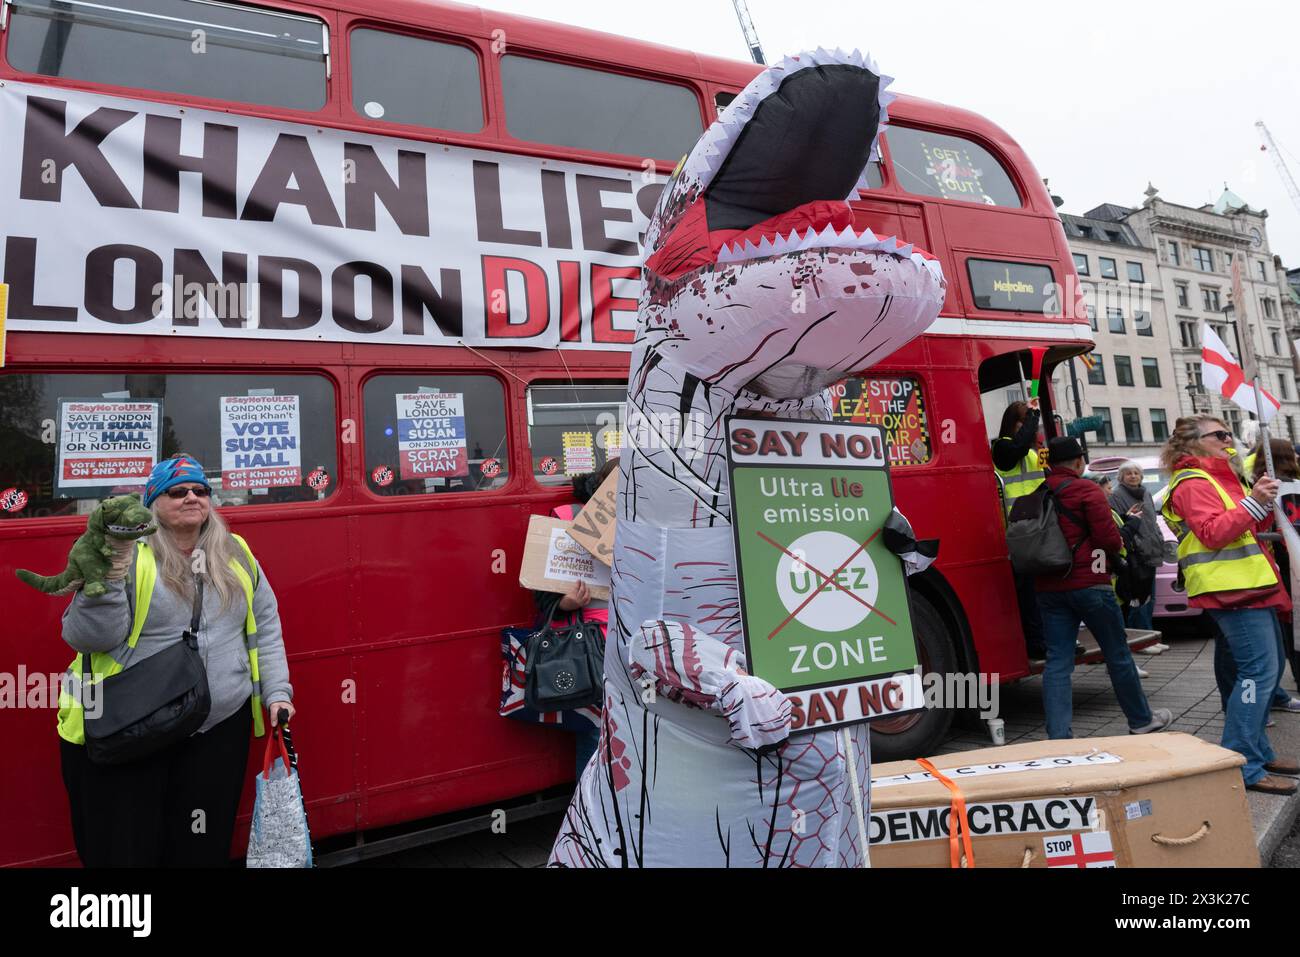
(490, 467)
(548, 465)
(318, 479)
(382, 476)
(13, 500)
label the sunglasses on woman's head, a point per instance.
(1221, 435)
(202, 492)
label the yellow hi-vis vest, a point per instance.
(1238, 565)
(72, 726)
(1023, 479)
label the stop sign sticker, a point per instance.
(490, 467)
(318, 479)
(382, 476)
(548, 465)
(13, 500)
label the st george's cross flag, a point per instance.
(1220, 371)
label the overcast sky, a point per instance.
(1103, 95)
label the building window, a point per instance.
(1263, 270)
(1233, 419)
(574, 106)
(1092, 316)
(1227, 261)
(1115, 320)
(1105, 433)
(1097, 374)
(1081, 264)
(1159, 425)
(1173, 253)
(1142, 323)
(1290, 427)
(1123, 370)
(248, 55)
(1187, 334)
(1204, 259)
(1181, 289)
(1283, 389)
(1135, 273)
(1151, 372)
(1210, 299)
(1132, 424)
(1193, 370)
(1277, 342)
(1268, 307)
(392, 75)
(1085, 231)
(1108, 269)
(431, 434)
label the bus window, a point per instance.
(894, 403)
(593, 110)
(223, 51)
(69, 440)
(401, 79)
(948, 167)
(574, 428)
(433, 433)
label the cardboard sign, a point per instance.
(553, 561)
(105, 444)
(824, 604)
(593, 528)
(261, 441)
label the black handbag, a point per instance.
(566, 665)
(154, 703)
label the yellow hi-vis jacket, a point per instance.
(1239, 565)
(72, 726)
(1023, 479)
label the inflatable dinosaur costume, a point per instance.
(758, 293)
(106, 542)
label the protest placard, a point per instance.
(261, 441)
(105, 444)
(431, 435)
(553, 561)
(593, 527)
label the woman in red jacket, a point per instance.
(1234, 579)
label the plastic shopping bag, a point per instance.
(279, 835)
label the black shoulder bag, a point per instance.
(566, 665)
(154, 703)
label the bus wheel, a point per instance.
(918, 734)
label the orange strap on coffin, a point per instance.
(956, 819)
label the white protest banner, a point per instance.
(167, 221)
(431, 434)
(261, 441)
(105, 443)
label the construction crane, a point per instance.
(747, 28)
(1270, 146)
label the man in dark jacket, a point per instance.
(1085, 594)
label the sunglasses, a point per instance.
(202, 492)
(1220, 434)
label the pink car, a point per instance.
(1171, 601)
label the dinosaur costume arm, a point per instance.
(271, 659)
(100, 623)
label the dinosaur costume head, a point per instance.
(755, 272)
(123, 517)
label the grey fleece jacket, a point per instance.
(102, 625)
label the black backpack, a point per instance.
(1035, 540)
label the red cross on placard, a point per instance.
(1079, 858)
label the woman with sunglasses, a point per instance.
(177, 808)
(1233, 579)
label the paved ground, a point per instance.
(1181, 679)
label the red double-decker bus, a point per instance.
(335, 218)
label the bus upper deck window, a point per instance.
(948, 167)
(432, 433)
(222, 51)
(573, 428)
(70, 440)
(594, 110)
(401, 79)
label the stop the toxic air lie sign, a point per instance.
(824, 603)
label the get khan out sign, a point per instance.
(824, 604)
(105, 443)
(260, 441)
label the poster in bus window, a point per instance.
(579, 453)
(261, 441)
(106, 445)
(896, 405)
(955, 174)
(431, 435)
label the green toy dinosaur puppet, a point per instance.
(103, 550)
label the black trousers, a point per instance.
(176, 809)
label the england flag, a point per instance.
(1221, 371)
